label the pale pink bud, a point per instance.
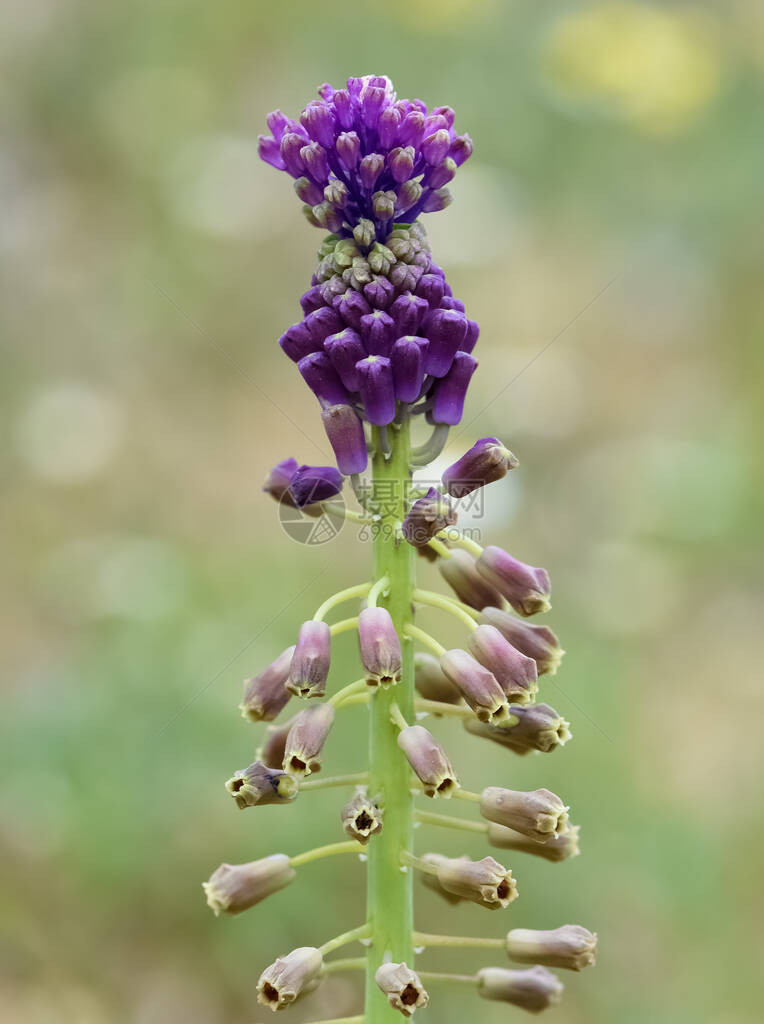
(265, 695)
(380, 647)
(309, 669)
(236, 887)
(272, 751)
(402, 987)
(537, 642)
(477, 685)
(429, 761)
(290, 977)
(526, 588)
(430, 681)
(555, 849)
(515, 673)
(532, 727)
(569, 946)
(485, 881)
(534, 990)
(466, 582)
(302, 754)
(538, 814)
(259, 784)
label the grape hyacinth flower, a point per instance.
(386, 349)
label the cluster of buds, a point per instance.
(383, 338)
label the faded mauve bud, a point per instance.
(306, 739)
(537, 642)
(402, 987)
(272, 751)
(515, 673)
(536, 727)
(466, 582)
(569, 946)
(290, 977)
(278, 480)
(362, 818)
(534, 990)
(485, 881)
(429, 761)
(259, 784)
(314, 483)
(526, 588)
(431, 880)
(236, 887)
(427, 516)
(556, 848)
(345, 432)
(265, 695)
(310, 663)
(477, 685)
(486, 461)
(538, 814)
(380, 647)
(430, 681)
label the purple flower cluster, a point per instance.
(360, 153)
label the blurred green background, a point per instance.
(614, 196)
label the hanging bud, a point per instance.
(407, 360)
(362, 817)
(446, 330)
(570, 946)
(526, 588)
(260, 785)
(556, 848)
(450, 392)
(430, 880)
(322, 379)
(466, 582)
(352, 307)
(428, 760)
(278, 480)
(486, 461)
(345, 432)
(376, 388)
(534, 990)
(290, 977)
(402, 987)
(271, 752)
(430, 681)
(377, 332)
(536, 727)
(380, 647)
(233, 888)
(538, 814)
(477, 685)
(312, 484)
(515, 673)
(485, 881)
(345, 349)
(407, 311)
(266, 695)
(427, 516)
(306, 739)
(309, 669)
(537, 642)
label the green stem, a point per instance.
(343, 626)
(439, 707)
(390, 890)
(446, 605)
(357, 779)
(446, 821)
(456, 538)
(381, 587)
(347, 691)
(326, 851)
(360, 590)
(348, 963)
(429, 641)
(478, 941)
(340, 1020)
(439, 548)
(355, 934)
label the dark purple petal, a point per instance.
(345, 432)
(297, 341)
(315, 483)
(351, 306)
(279, 478)
(349, 149)
(270, 151)
(451, 391)
(446, 330)
(344, 350)
(408, 311)
(379, 292)
(431, 288)
(407, 361)
(377, 390)
(322, 379)
(377, 331)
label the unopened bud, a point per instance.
(477, 685)
(290, 977)
(536, 727)
(556, 848)
(538, 814)
(362, 818)
(345, 432)
(302, 754)
(402, 987)
(278, 480)
(526, 588)
(259, 784)
(466, 582)
(380, 647)
(430, 681)
(428, 760)
(569, 946)
(266, 695)
(309, 669)
(236, 887)
(515, 673)
(431, 880)
(383, 204)
(427, 516)
(534, 990)
(486, 461)
(272, 751)
(537, 642)
(485, 881)
(364, 232)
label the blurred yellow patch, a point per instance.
(655, 67)
(443, 14)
